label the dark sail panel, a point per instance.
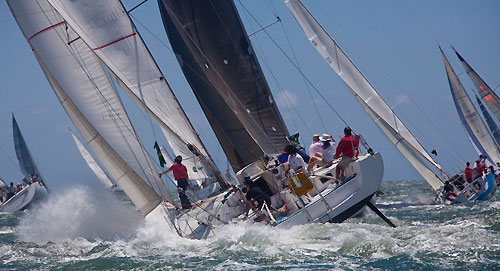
(218, 61)
(23, 155)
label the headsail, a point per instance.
(93, 165)
(106, 28)
(474, 125)
(495, 131)
(23, 155)
(219, 63)
(85, 92)
(378, 109)
(486, 93)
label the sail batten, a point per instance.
(364, 92)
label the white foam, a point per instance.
(79, 212)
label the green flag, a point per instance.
(160, 155)
(294, 140)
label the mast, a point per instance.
(220, 65)
(26, 163)
(377, 108)
(473, 124)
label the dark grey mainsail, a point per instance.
(495, 131)
(23, 155)
(219, 63)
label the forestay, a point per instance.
(23, 155)
(93, 165)
(106, 28)
(378, 109)
(474, 125)
(83, 88)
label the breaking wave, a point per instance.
(79, 212)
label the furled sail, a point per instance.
(486, 93)
(93, 165)
(84, 90)
(106, 28)
(381, 113)
(219, 63)
(495, 131)
(23, 155)
(474, 125)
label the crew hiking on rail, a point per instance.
(181, 176)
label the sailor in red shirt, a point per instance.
(181, 176)
(348, 148)
(468, 173)
(479, 168)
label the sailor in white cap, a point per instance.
(325, 157)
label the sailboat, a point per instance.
(82, 47)
(33, 187)
(372, 102)
(480, 138)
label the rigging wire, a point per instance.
(296, 67)
(10, 159)
(388, 77)
(275, 13)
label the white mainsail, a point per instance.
(93, 165)
(106, 27)
(83, 88)
(474, 125)
(381, 113)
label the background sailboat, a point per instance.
(478, 134)
(33, 185)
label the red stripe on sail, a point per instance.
(45, 29)
(115, 41)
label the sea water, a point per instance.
(81, 229)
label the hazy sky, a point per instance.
(393, 43)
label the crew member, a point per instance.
(325, 156)
(295, 161)
(316, 146)
(348, 148)
(468, 172)
(479, 168)
(254, 193)
(449, 191)
(181, 176)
